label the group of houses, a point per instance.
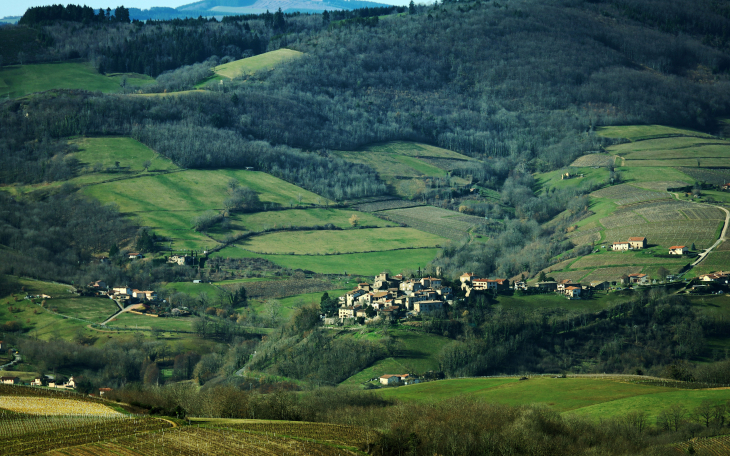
(639, 242)
(575, 290)
(397, 379)
(122, 293)
(393, 297)
(721, 278)
(470, 284)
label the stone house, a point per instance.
(621, 245)
(637, 242)
(678, 250)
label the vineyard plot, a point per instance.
(194, 440)
(591, 160)
(624, 194)
(440, 222)
(52, 406)
(33, 436)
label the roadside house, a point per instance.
(10, 380)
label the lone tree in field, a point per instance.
(354, 220)
(146, 165)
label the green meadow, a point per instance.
(592, 397)
(93, 309)
(642, 132)
(344, 241)
(367, 264)
(256, 63)
(135, 321)
(130, 153)
(20, 80)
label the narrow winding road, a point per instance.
(15, 361)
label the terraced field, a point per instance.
(441, 222)
(405, 165)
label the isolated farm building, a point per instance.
(726, 186)
(104, 260)
(103, 391)
(135, 256)
(389, 379)
(621, 245)
(572, 292)
(637, 242)
(678, 250)
(10, 380)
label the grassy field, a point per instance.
(167, 203)
(93, 309)
(288, 305)
(260, 221)
(144, 322)
(20, 80)
(345, 241)
(591, 397)
(354, 263)
(256, 63)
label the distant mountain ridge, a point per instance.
(234, 7)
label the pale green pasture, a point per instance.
(354, 263)
(654, 403)
(93, 309)
(661, 146)
(135, 321)
(260, 221)
(640, 132)
(345, 241)
(196, 190)
(19, 80)
(256, 63)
